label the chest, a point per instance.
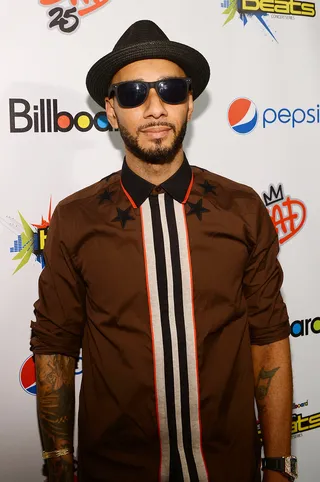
(112, 255)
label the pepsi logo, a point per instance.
(27, 376)
(242, 115)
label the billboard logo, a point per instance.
(305, 327)
(45, 117)
(66, 18)
(300, 405)
(242, 116)
(288, 214)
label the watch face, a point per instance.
(291, 466)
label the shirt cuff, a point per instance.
(42, 343)
(265, 336)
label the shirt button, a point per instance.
(158, 189)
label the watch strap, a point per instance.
(274, 463)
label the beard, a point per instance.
(159, 154)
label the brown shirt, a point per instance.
(165, 289)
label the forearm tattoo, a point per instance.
(263, 384)
(55, 401)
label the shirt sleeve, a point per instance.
(60, 310)
(267, 312)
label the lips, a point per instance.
(156, 132)
(156, 129)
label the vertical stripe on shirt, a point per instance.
(169, 280)
(156, 275)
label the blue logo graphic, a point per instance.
(242, 116)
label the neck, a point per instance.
(154, 173)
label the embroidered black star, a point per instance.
(197, 209)
(105, 196)
(123, 216)
(208, 187)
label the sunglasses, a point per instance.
(173, 90)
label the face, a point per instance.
(153, 131)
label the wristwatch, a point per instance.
(288, 466)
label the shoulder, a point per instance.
(236, 200)
(74, 213)
(227, 193)
(85, 195)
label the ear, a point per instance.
(190, 106)
(111, 115)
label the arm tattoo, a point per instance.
(55, 401)
(264, 381)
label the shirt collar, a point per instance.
(138, 189)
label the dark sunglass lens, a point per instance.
(173, 91)
(132, 94)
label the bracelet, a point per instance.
(55, 453)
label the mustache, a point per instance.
(157, 124)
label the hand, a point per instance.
(273, 476)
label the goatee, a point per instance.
(159, 154)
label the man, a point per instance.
(167, 276)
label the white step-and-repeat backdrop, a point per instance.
(257, 123)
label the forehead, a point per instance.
(148, 70)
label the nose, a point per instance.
(154, 106)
